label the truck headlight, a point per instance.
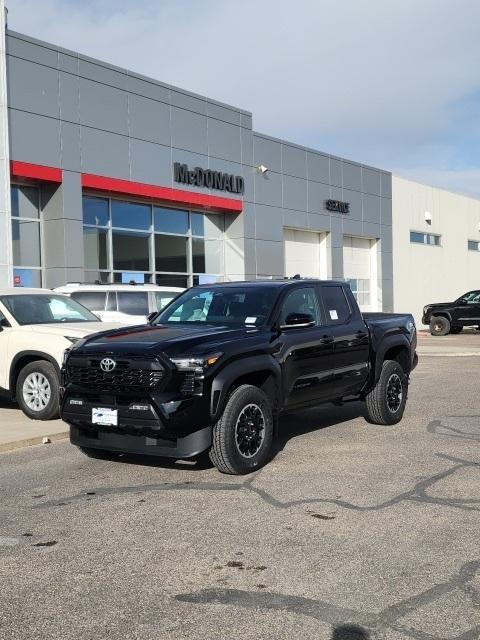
(197, 364)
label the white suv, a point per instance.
(125, 303)
(36, 326)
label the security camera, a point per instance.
(262, 168)
(428, 217)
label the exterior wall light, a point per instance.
(428, 217)
(262, 168)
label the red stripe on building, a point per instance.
(162, 194)
(35, 172)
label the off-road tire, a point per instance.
(439, 326)
(98, 454)
(456, 330)
(43, 370)
(225, 453)
(377, 402)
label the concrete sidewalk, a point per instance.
(16, 430)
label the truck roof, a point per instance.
(276, 283)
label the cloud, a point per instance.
(382, 81)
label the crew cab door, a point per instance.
(351, 343)
(305, 353)
(468, 310)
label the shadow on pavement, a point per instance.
(290, 426)
(350, 632)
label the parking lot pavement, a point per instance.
(351, 526)
(17, 430)
(464, 344)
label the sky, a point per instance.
(391, 83)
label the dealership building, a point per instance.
(112, 176)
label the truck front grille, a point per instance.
(128, 374)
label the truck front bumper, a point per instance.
(183, 447)
(160, 425)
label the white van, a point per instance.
(125, 303)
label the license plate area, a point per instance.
(104, 416)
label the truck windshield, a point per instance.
(237, 306)
(46, 309)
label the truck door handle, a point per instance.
(326, 340)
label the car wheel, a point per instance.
(386, 402)
(99, 454)
(439, 326)
(242, 438)
(37, 390)
(456, 330)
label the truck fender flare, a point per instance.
(387, 344)
(441, 314)
(33, 355)
(237, 369)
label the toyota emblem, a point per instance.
(107, 364)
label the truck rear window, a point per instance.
(336, 304)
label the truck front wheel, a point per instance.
(242, 437)
(386, 402)
(439, 326)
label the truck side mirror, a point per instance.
(298, 320)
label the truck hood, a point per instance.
(163, 338)
(74, 329)
(439, 304)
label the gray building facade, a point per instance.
(92, 150)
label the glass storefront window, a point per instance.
(25, 202)
(127, 277)
(137, 237)
(170, 253)
(171, 280)
(95, 242)
(26, 243)
(95, 211)
(130, 251)
(131, 215)
(197, 224)
(170, 220)
(27, 277)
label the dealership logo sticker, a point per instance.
(208, 178)
(107, 365)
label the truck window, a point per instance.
(337, 309)
(133, 303)
(300, 301)
(93, 300)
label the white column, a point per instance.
(6, 267)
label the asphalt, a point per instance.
(352, 531)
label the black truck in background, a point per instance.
(451, 317)
(217, 367)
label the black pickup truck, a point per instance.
(451, 317)
(215, 369)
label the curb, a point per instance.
(29, 442)
(460, 354)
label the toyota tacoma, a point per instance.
(216, 368)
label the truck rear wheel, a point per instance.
(439, 326)
(37, 390)
(242, 437)
(385, 403)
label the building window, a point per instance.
(361, 290)
(425, 238)
(26, 236)
(126, 241)
(473, 245)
